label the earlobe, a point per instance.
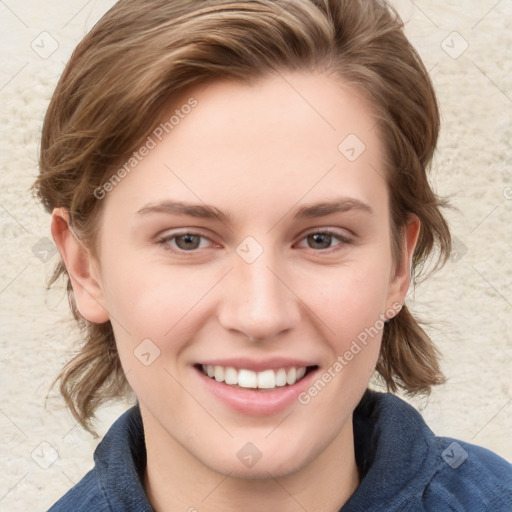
(86, 288)
(401, 280)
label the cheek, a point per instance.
(153, 325)
(156, 302)
(350, 303)
(347, 299)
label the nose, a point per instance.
(257, 300)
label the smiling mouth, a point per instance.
(249, 379)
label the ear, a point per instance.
(401, 279)
(86, 287)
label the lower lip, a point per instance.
(254, 402)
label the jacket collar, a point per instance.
(394, 452)
(393, 447)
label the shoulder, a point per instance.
(407, 467)
(115, 482)
(84, 496)
(468, 477)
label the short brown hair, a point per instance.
(142, 55)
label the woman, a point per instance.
(239, 195)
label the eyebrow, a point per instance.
(341, 204)
(181, 208)
(308, 211)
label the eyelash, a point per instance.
(344, 240)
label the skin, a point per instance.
(256, 153)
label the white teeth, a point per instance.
(247, 379)
(281, 377)
(219, 374)
(231, 376)
(267, 379)
(291, 376)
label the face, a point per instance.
(253, 243)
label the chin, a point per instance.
(277, 466)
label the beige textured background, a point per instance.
(469, 303)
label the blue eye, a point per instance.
(184, 241)
(188, 242)
(322, 240)
(319, 241)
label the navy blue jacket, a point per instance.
(403, 466)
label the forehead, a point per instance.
(283, 138)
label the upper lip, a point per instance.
(258, 365)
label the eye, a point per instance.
(323, 240)
(184, 242)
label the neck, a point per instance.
(176, 480)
